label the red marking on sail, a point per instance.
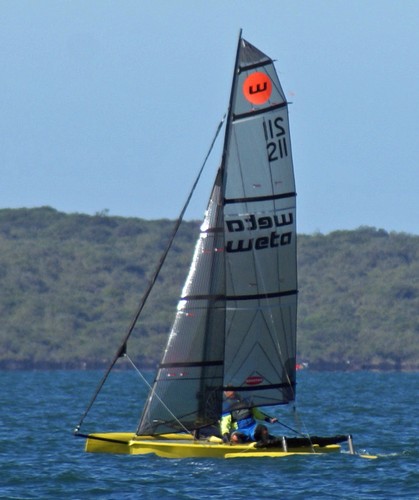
(257, 88)
(254, 380)
(212, 250)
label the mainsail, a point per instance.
(236, 319)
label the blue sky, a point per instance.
(112, 105)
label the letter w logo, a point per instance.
(258, 89)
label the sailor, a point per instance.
(239, 421)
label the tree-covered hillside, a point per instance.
(359, 299)
(71, 283)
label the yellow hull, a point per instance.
(184, 446)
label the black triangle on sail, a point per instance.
(249, 55)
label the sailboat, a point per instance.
(236, 320)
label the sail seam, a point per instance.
(260, 388)
(262, 295)
(213, 230)
(255, 65)
(272, 295)
(256, 112)
(251, 199)
(191, 364)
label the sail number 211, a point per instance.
(275, 136)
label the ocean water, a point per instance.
(41, 459)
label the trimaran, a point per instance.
(235, 325)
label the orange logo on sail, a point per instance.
(257, 88)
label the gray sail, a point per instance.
(260, 236)
(236, 320)
(186, 394)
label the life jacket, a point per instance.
(241, 414)
(239, 411)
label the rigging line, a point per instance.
(291, 429)
(122, 349)
(138, 371)
(301, 424)
(156, 395)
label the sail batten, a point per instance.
(191, 363)
(251, 67)
(262, 296)
(254, 199)
(255, 112)
(265, 387)
(259, 296)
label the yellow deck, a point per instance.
(184, 446)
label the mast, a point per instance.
(217, 398)
(230, 105)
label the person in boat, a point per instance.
(239, 421)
